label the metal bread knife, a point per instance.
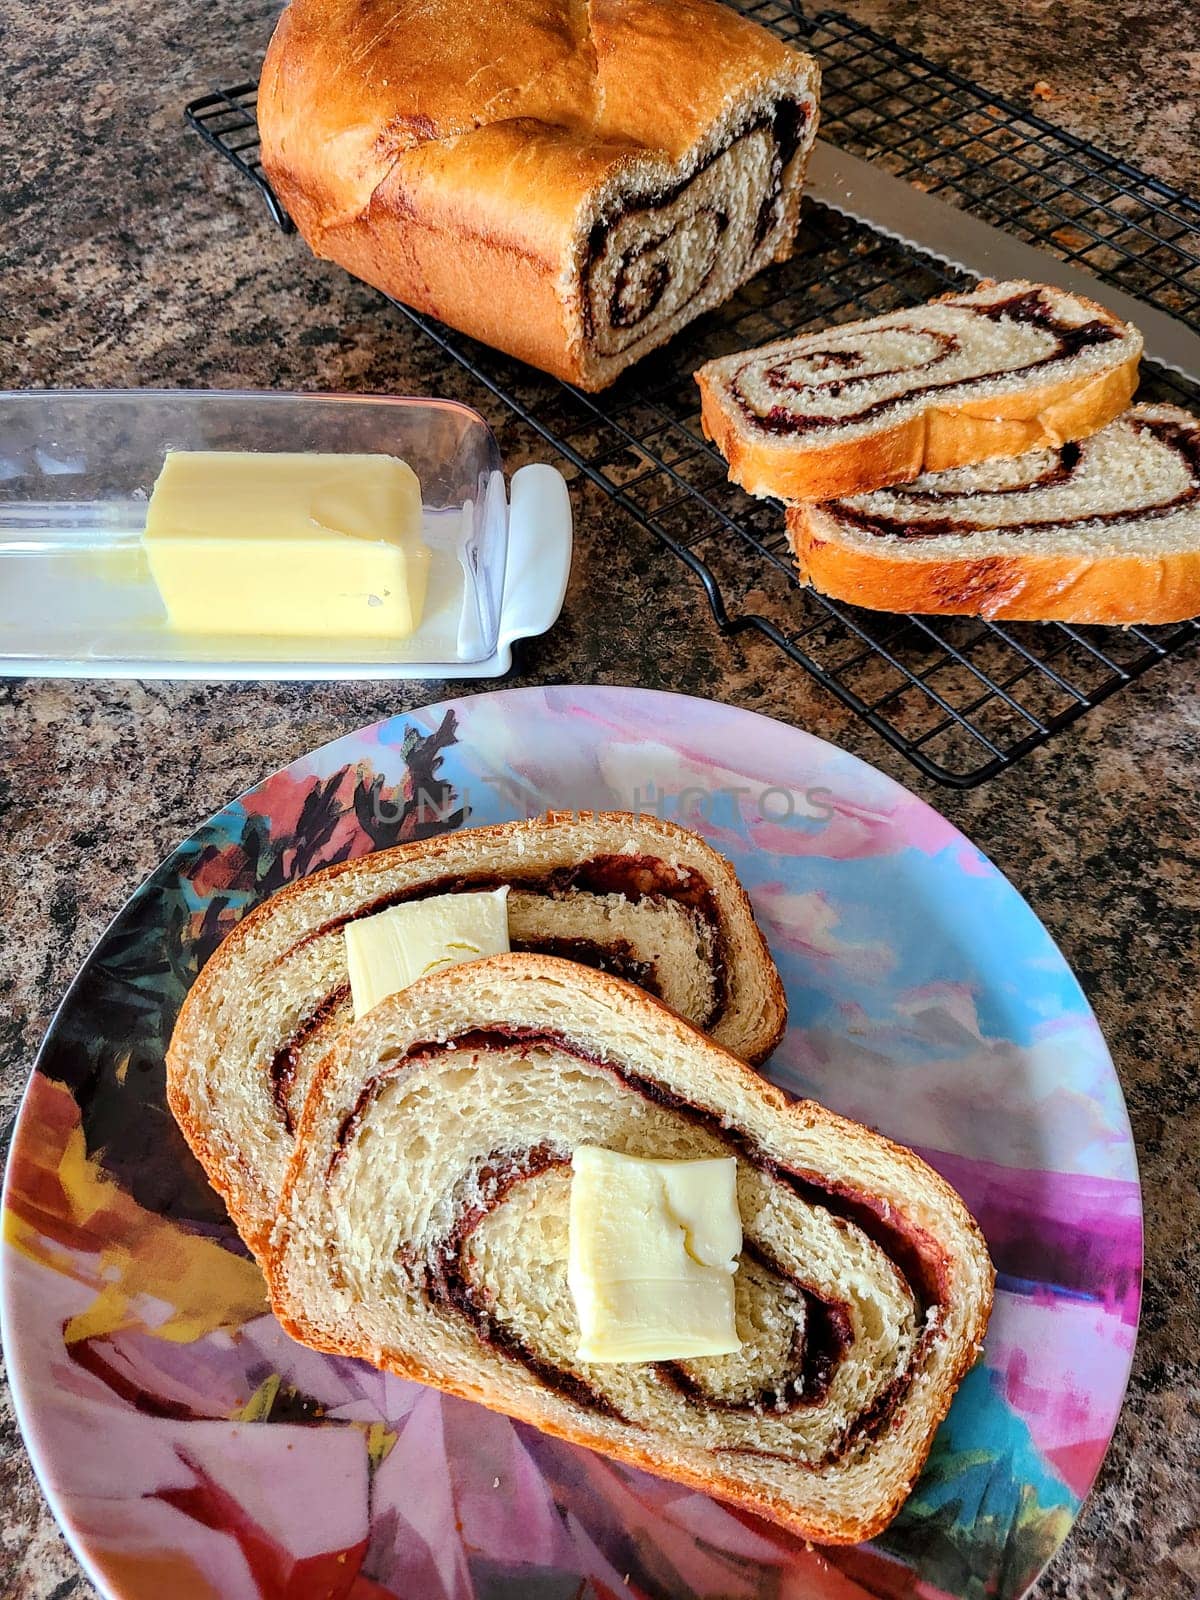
(891, 206)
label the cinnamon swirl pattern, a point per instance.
(808, 1344)
(846, 377)
(626, 895)
(602, 913)
(1141, 473)
(145, 1362)
(655, 258)
(617, 913)
(425, 1222)
(992, 372)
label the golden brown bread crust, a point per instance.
(445, 153)
(1032, 586)
(225, 1172)
(933, 441)
(837, 1529)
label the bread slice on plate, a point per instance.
(1001, 369)
(642, 897)
(570, 183)
(1104, 531)
(425, 1217)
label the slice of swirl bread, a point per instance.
(423, 1226)
(1003, 369)
(635, 895)
(1105, 531)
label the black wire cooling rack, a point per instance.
(962, 698)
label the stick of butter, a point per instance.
(651, 1256)
(387, 952)
(288, 543)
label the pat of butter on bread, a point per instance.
(652, 1253)
(288, 543)
(387, 952)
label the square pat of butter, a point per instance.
(652, 1256)
(387, 952)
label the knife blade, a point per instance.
(889, 205)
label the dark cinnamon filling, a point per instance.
(780, 420)
(636, 295)
(1184, 441)
(618, 958)
(916, 1255)
(286, 1060)
(1026, 308)
(787, 130)
(446, 1282)
(636, 877)
(816, 1351)
(1065, 464)
(812, 1362)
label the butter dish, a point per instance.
(78, 597)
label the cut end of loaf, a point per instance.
(571, 185)
(656, 249)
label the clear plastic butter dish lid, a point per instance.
(232, 534)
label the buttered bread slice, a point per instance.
(1002, 369)
(1103, 531)
(636, 896)
(427, 1220)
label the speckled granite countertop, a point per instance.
(127, 259)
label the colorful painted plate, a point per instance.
(190, 1449)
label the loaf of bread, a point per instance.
(1002, 369)
(423, 1226)
(1103, 531)
(632, 894)
(570, 183)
